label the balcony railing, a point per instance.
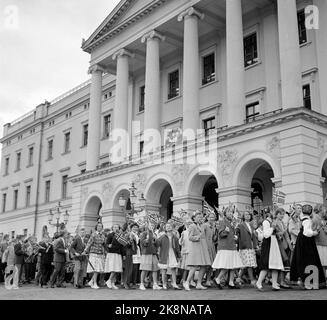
(262, 116)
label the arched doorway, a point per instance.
(92, 210)
(257, 174)
(209, 192)
(324, 183)
(159, 194)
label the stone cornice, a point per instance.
(104, 32)
(190, 12)
(275, 119)
(121, 53)
(153, 35)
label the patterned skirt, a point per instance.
(95, 263)
(248, 258)
(114, 263)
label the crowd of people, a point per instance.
(207, 250)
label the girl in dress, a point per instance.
(306, 253)
(321, 238)
(184, 241)
(247, 244)
(270, 258)
(149, 259)
(169, 255)
(228, 258)
(114, 261)
(210, 234)
(198, 256)
(96, 248)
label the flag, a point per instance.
(122, 238)
(177, 221)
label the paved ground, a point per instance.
(31, 292)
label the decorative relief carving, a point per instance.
(179, 173)
(273, 145)
(321, 145)
(139, 180)
(226, 161)
(107, 189)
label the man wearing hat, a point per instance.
(60, 251)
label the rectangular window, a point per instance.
(303, 38)
(64, 187)
(209, 69)
(50, 149)
(307, 96)
(107, 126)
(12, 235)
(4, 202)
(141, 148)
(67, 142)
(85, 134)
(252, 110)
(28, 196)
(7, 166)
(25, 231)
(19, 156)
(30, 156)
(15, 199)
(250, 50)
(173, 84)
(208, 125)
(83, 171)
(47, 191)
(142, 98)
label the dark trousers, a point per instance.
(28, 269)
(2, 271)
(128, 270)
(58, 274)
(46, 269)
(136, 273)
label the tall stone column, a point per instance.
(152, 80)
(93, 146)
(235, 63)
(289, 51)
(120, 134)
(191, 69)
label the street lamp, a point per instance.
(133, 199)
(57, 215)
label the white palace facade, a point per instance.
(248, 72)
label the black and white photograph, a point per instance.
(163, 150)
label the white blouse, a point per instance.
(307, 230)
(267, 230)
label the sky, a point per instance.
(40, 50)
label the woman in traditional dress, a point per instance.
(114, 260)
(96, 248)
(228, 258)
(247, 244)
(270, 258)
(211, 238)
(169, 256)
(306, 254)
(198, 256)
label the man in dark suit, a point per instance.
(19, 261)
(76, 249)
(60, 251)
(46, 251)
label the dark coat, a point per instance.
(226, 238)
(46, 252)
(163, 244)
(59, 251)
(77, 246)
(116, 247)
(19, 254)
(148, 246)
(246, 239)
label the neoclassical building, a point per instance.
(251, 74)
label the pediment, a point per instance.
(125, 11)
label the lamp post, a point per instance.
(57, 215)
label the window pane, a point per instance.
(173, 84)
(301, 27)
(209, 74)
(307, 96)
(250, 50)
(142, 98)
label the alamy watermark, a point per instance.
(10, 17)
(311, 17)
